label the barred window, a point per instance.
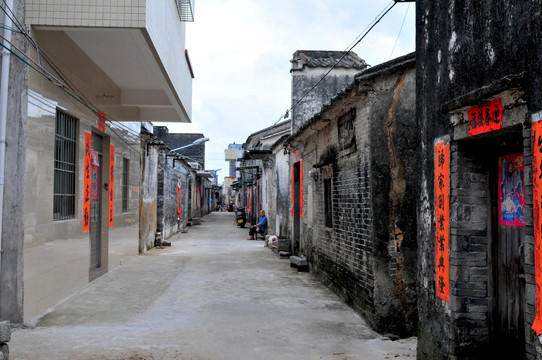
(125, 169)
(64, 177)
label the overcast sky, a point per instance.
(240, 52)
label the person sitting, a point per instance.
(259, 227)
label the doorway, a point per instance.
(296, 196)
(96, 207)
(507, 277)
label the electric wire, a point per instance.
(352, 45)
(19, 26)
(63, 84)
(79, 98)
(400, 31)
(68, 91)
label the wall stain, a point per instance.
(396, 194)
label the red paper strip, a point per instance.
(101, 120)
(486, 117)
(111, 184)
(442, 219)
(537, 210)
(86, 183)
(179, 201)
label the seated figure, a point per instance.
(259, 227)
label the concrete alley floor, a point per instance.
(211, 295)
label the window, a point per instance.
(185, 9)
(64, 177)
(328, 208)
(125, 168)
(347, 134)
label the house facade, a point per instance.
(262, 174)
(82, 149)
(354, 172)
(479, 109)
(310, 88)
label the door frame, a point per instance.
(497, 344)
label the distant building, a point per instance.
(176, 140)
(233, 152)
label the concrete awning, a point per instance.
(205, 174)
(151, 72)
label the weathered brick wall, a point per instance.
(281, 177)
(368, 255)
(499, 58)
(341, 255)
(468, 247)
(171, 176)
(393, 174)
(148, 196)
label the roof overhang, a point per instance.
(205, 174)
(256, 154)
(129, 59)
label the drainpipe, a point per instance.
(4, 82)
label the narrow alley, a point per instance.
(211, 295)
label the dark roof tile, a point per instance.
(325, 58)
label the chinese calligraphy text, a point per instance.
(442, 219)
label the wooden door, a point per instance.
(507, 302)
(296, 195)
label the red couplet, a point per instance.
(442, 220)
(86, 183)
(537, 210)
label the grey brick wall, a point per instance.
(469, 256)
(362, 257)
(170, 175)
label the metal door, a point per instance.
(96, 204)
(507, 301)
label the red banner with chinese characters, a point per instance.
(111, 184)
(442, 219)
(86, 181)
(511, 190)
(101, 120)
(486, 117)
(179, 201)
(537, 210)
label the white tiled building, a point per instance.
(124, 61)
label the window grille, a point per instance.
(185, 9)
(65, 161)
(125, 169)
(346, 129)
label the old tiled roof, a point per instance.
(324, 58)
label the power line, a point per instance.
(62, 84)
(352, 45)
(400, 30)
